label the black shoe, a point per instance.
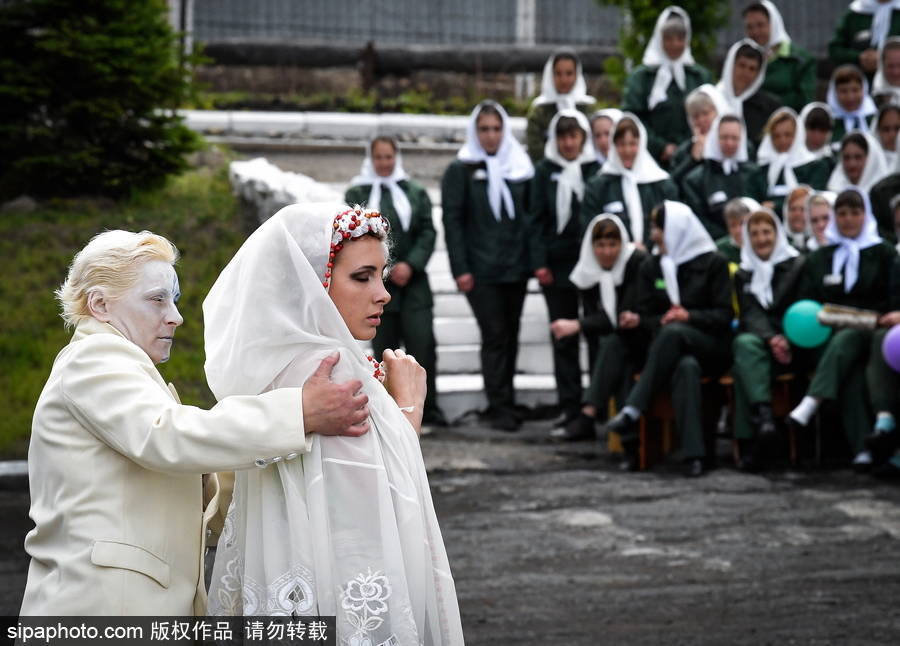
(693, 468)
(882, 445)
(887, 471)
(505, 421)
(763, 420)
(631, 460)
(862, 463)
(565, 418)
(622, 424)
(751, 460)
(576, 430)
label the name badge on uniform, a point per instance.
(480, 174)
(614, 207)
(554, 177)
(716, 198)
(660, 283)
(863, 36)
(830, 280)
(779, 191)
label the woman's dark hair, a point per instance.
(490, 110)
(756, 7)
(855, 138)
(849, 198)
(658, 215)
(606, 230)
(887, 107)
(819, 119)
(749, 51)
(625, 125)
(731, 118)
(568, 124)
(565, 55)
(847, 74)
(384, 139)
(761, 216)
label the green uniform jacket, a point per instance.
(705, 288)
(880, 196)
(853, 35)
(539, 118)
(706, 189)
(757, 110)
(871, 289)
(792, 78)
(546, 247)
(667, 122)
(758, 320)
(731, 253)
(595, 322)
(414, 246)
(682, 163)
(603, 194)
(492, 251)
(815, 174)
(840, 130)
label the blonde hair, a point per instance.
(109, 263)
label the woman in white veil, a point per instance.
(348, 530)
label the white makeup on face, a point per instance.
(147, 313)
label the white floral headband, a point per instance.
(350, 224)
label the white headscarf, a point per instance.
(718, 101)
(712, 149)
(880, 84)
(797, 155)
(510, 162)
(571, 180)
(846, 256)
(644, 170)
(368, 177)
(655, 56)
(811, 242)
(588, 271)
(875, 170)
(777, 33)
(304, 535)
(577, 95)
(826, 150)
(798, 238)
(685, 238)
(890, 156)
(613, 114)
(726, 84)
(881, 17)
(857, 119)
(761, 280)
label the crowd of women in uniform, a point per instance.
(673, 232)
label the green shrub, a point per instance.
(706, 17)
(87, 97)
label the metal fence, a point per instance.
(423, 22)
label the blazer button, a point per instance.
(261, 463)
(277, 458)
(291, 456)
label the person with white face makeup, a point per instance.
(791, 69)
(724, 174)
(349, 526)
(562, 87)
(117, 496)
(655, 91)
(554, 228)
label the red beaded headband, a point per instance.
(349, 224)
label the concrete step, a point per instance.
(464, 331)
(454, 305)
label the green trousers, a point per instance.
(562, 303)
(753, 370)
(679, 357)
(841, 376)
(612, 374)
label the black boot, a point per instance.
(580, 428)
(763, 420)
(751, 456)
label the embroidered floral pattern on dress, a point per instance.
(364, 598)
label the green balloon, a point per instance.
(801, 326)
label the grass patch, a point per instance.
(196, 211)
